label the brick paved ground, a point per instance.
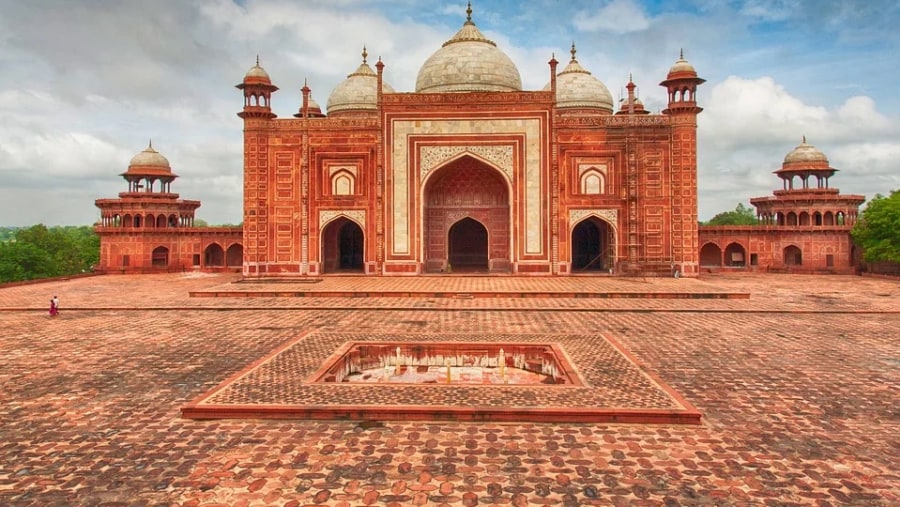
(798, 386)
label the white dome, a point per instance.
(468, 62)
(358, 92)
(576, 87)
(805, 153)
(149, 158)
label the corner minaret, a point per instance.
(681, 83)
(257, 88)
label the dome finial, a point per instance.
(150, 144)
(365, 54)
(257, 59)
(804, 139)
(681, 54)
(469, 13)
(573, 52)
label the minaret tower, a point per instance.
(257, 115)
(681, 83)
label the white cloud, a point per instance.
(749, 125)
(616, 16)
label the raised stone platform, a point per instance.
(614, 387)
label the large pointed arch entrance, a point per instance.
(343, 247)
(593, 246)
(466, 224)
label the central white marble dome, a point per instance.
(468, 62)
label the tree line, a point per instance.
(28, 253)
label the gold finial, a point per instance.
(365, 54)
(573, 51)
(469, 13)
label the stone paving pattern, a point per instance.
(798, 386)
(612, 381)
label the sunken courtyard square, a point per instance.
(796, 378)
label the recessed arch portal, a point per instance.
(160, 257)
(343, 247)
(593, 246)
(466, 194)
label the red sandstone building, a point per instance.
(470, 172)
(149, 228)
(804, 227)
(467, 173)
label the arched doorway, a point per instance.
(214, 256)
(343, 246)
(160, 257)
(735, 255)
(593, 246)
(793, 256)
(467, 245)
(710, 256)
(466, 194)
(234, 256)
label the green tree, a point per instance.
(878, 230)
(41, 252)
(24, 261)
(742, 215)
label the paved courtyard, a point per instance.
(798, 386)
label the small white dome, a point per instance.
(805, 153)
(358, 92)
(150, 158)
(576, 87)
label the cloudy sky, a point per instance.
(86, 83)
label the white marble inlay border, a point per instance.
(357, 215)
(431, 157)
(609, 215)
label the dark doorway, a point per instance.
(160, 257)
(591, 246)
(468, 242)
(343, 247)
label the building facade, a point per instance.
(804, 227)
(471, 173)
(148, 228)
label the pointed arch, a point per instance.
(160, 257)
(793, 256)
(466, 187)
(234, 256)
(214, 256)
(592, 245)
(710, 255)
(343, 245)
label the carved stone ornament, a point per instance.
(431, 157)
(357, 215)
(609, 215)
